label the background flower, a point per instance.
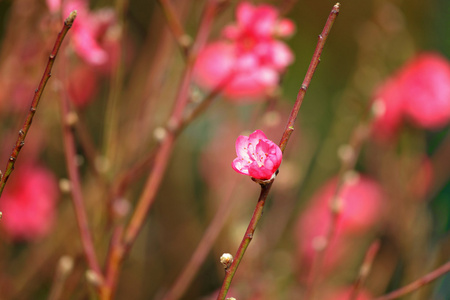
(248, 58)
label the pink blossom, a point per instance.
(426, 90)
(360, 202)
(28, 203)
(82, 85)
(91, 33)
(419, 91)
(248, 60)
(257, 156)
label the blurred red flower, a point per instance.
(28, 203)
(248, 58)
(419, 91)
(360, 210)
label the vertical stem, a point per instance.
(365, 269)
(162, 156)
(76, 191)
(309, 74)
(183, 40)
(248, 236)
(35, 102)
(265, 188)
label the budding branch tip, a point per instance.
(71, 18)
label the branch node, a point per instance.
(71, 18)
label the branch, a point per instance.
(265, 188)
(183, 39)
(415, 285)
(35, 102)
(309, 74)
(75, 188)
(365, 269)
(162, 156)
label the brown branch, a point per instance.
(415, 285)
(309, 74)
(265, 187)
(162, 156)
(184, 41)
(20, 142)
(365, 269)
(76, 190)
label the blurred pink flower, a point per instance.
(426, 90)
(82, 85)
(360, 202)
(91, 33)
(258, 156)
(419, 91)
(248, 60)
(53, 5)
(28, 203)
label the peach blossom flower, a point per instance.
(91, 33)
(248, 60)
(82, 85)
(257, 156)
(419, 91)
(360, 202)
(28, 203)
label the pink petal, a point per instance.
(285, 28)
(258, 172)
(256, 136)
(214, 64)
(268, 77)
(426, 90)
(242, 150)
(265, 18)
(244, 13)
(281, 55)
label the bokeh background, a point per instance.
(121, 105)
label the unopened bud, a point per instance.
(71, 118)
(346, 153)
(351, 177)
(65, 185)
(226, 260)
(93, 278)
(159, 133)
(319, 243)
(378, 108)
(336, 205)
(65, 264)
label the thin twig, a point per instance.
(309, 74)
(35, 102)
(76, 190)
(265, 188)
(349, 158)
(63, 270)
(365, 269)
(161, 158)
(415, 285)
(203, 247)
(183, 39)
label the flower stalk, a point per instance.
(265, 188)
(20, 142)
